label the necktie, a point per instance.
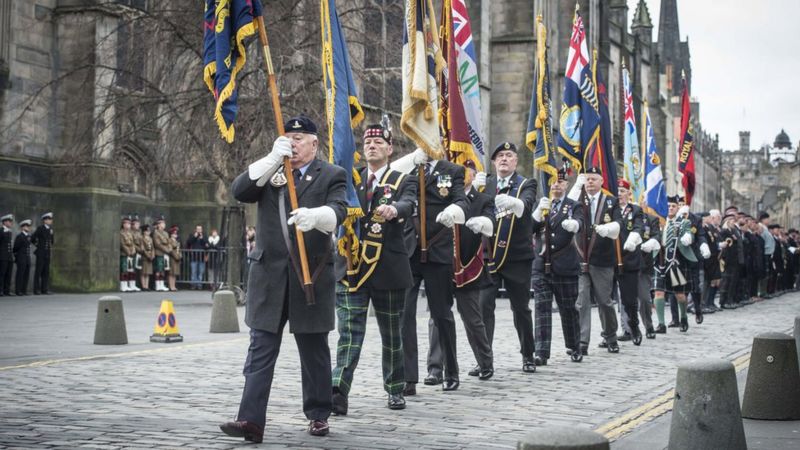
(501, 184)
(556, 202)
(297, 174)
(370, 186)
(594, 208)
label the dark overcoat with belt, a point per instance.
(273, 283)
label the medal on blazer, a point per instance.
(375, 228)
(444, 183)
(646, 232)
(279, 179)
(387, 195)
(630, 221)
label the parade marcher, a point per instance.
(672, 275)
(701, 252)
(711, 274)
(175, 258)
(22, 257)
(148, 255)
(597, 247)
(163, 247)
(381, 273)
(6, 254)
(731, 259)
(556, 269)
(275, 293)
(127, 253)
(631, 238)
(43, 239)
(650, 250)
(197, 244)
(511, 255)
(432, 260)
(138, 242)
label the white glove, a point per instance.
(263, 169)
(544, 203)
(481, 225)
(407, 163)
(571, 225)
(608, 230)
(575, 192)
(633, 240)
(687, 239)
(723, 245)
(322, 218)
(505, 202)
(792, 250)
(451, 215)
(479, 181)
(652, 245)
(705, 251)
(683, 210)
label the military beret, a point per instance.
(377, 130)
(126, 218)
(681, 198)
(504, 146)
(300, 124)
(135, 217)
(594, 169)
(673, 199)
(28, 222)
(763, 215)
(47, 215)
(623, 183)
(173, 229)
(7, 217)
(773, 226)
(159, 218)
(145, 227)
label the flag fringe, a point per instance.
(228, 132)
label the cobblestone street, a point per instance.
(59, 390)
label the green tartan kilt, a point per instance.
(123, 264)
(158, 264)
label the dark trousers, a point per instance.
(6, 269)
(468, 304)
(259, 368)
(565, 291)
(23, 275)
(351, 314)
(439, 292)
(728, 285)
(629, 297)
(518, 289)
(41, 275)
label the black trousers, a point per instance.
(6, 269)
(629, 296)
(22, 278)
(468, 304)
(515, 276)
(41, 275)
(439, 292)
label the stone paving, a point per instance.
(173, 396)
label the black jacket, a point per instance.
(632, 221)
(733, 254)
(698, 235)
(480, 204)
(711, 265)
(43, 240)
(22, 249)
(652, 230)
(518, 245)
(6, 245)
(564, 257)
(601, 250)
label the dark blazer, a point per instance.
(632, 220)
(43, 239)
(22, 249)
(392, 270)
(272, 275)
(437, 198)
(733, 254)
(699, 234)
(6, 245)
(564, 257)
(652, 230)
(603, 252)
(480, 204)
(520, 241)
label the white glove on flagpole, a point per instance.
(407, 163)
(505, 202)
(608, 230)
(322, 218)
(544, 203)
(479, 181)
(683, 210)
(571, 225)
(451, 215)
(705, 251)
(633, 240)
(652, 245)
(263, 169)
(481, 225)
(575, 192)
(687, 239)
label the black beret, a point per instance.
(673, 199)
(300, 124)
(595, 170)
(763, 215)
(504, 146)
(773, 226)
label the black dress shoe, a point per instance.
(585, 350)
(528, 365)
(650, 333)
(613, 347)
(624, 337)
(243, 429)
(637, 338)
(698, 318)
(410, 389)
(432, 379)
(540, 361)
(476, 371)
(396, 401)
(684, 324)
(486, 373)
(576, 356)
(450, 384)
(603, 344)
(339, 404)
(661, 329)
(673, 324)
(318, 428)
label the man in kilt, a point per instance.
(672, 275)
(162, 248)
(127, 249)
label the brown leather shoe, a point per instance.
(243, 429)
(318, 428)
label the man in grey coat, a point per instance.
(275, 290)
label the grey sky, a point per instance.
(745, 64)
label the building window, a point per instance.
(131, 63)
(5, 31)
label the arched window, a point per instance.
(133, 169)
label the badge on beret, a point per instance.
(279, 179)
(296, 125)
(607, 218)
(507, 146)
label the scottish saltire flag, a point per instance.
(686, 151)
(227, 24)
(467, 65)
(539, 136)
(596, 127)
(632, 161)
(570, 121)
(422, 63)
(655, 191)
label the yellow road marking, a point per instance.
(121, 354)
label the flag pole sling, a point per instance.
(308, 288)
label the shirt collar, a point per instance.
(378, 173)
(304, 168)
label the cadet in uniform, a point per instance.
(275, 291)
(43, 240)
(22, 257)
(628, 278)
(148, 255)
(379, 272)
(139, 244)
(6, 254)
(162, 249)
(175, 258)
(127, 252)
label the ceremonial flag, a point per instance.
(570, 121)
(227, 23)
(539, 136)
(455, 128)
(632, 162)
(596, 127)
(655, 192)
(422, 62)
(467, 65)
(686, 155)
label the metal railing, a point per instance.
(208, 269)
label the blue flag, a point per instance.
(655, 192)
(539, 136)
(571, 120)
(596, 127)
(227, 24)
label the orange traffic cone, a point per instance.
(166, 329)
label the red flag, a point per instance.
(686, 155)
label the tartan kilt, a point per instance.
(663, 281)
(124, 264)
(158, 264)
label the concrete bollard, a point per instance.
(563, 438)
(706, 412)
(109, 328)
(224, 318)
(772, 391)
